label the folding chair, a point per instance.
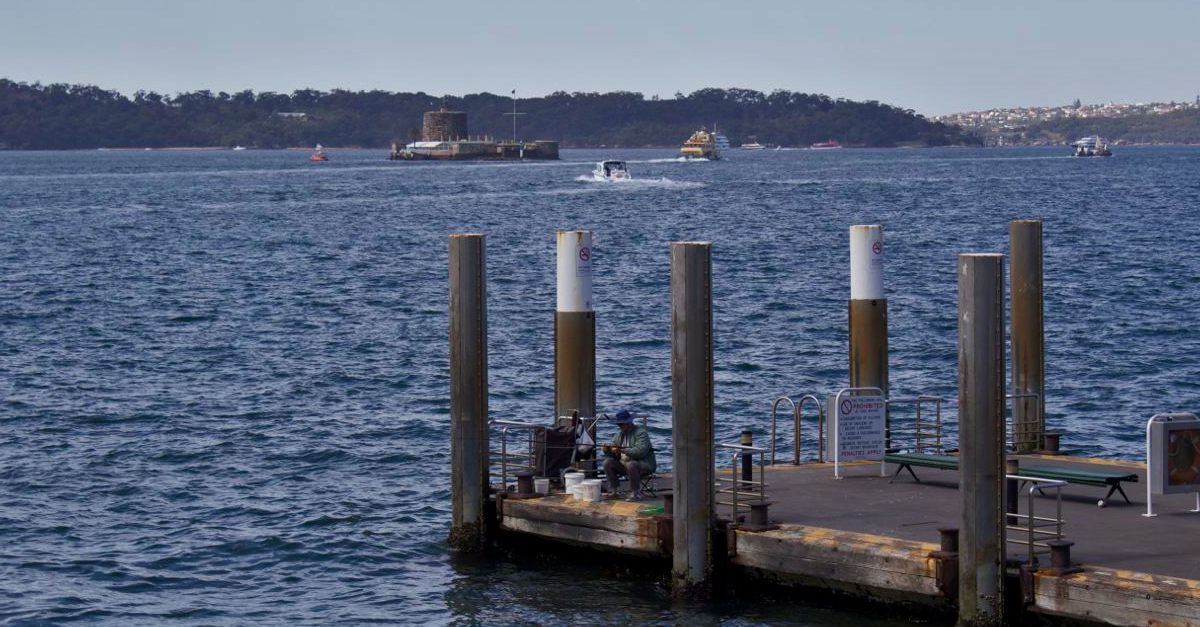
(647, 480)
(646, 483)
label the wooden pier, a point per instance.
(870, 536)
(997, 534)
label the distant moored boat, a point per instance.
(828, 145)
(319, 154)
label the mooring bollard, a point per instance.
(525, 483)
(1028, 341)
(574, 327)
(981, 399)
(1060, 557)
(468, 391)
(947, 562)
(1012, 490)
(868, 312)
(692, 416)
(747, 458)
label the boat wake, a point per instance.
(659, 183)
(675, 160)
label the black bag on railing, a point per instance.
(552, 449)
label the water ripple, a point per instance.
(224, 376)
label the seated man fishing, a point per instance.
(630, 454)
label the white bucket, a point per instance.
(541, 486)
(572, 479)
(590, 490)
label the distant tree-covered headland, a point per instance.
(1177, 127)
(57, 116)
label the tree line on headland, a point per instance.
(59, 116)
(1176, 127)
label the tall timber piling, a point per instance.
(574, 327)
(981, 438)
(868, 309)
(468, 390)
(1028, 337)
(692, 416)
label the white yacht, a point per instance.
(611, 170)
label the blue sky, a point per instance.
(932, 56)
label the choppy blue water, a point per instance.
(224, 378)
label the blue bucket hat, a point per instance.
(623, 417)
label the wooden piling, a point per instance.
(1028, 337)
(574, 327)
(692, 415)
(468, 390)
(981, 438)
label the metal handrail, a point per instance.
(774, 409)
(1034, 527)
(820, 428)
(736, 483)
(1037, 408)
(797, 421)
(505, 426)
(918, 431)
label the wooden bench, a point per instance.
(1079, 476)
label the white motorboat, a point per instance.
(611, 170)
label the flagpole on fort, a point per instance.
(514, 115)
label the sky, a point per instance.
(932, 56)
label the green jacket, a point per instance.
(637, 448)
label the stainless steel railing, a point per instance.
(737, 486)
(518, 460)
(924, 433)
(774, 421)
(1029, 529)
(797, 421)
(1023, 434)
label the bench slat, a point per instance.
(1086, 477)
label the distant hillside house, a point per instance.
(291, 114)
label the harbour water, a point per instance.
(223, 375)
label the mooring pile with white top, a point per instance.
(574, 327)
(868, 309)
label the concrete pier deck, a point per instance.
(869, 536)
(1116, 536)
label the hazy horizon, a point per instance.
(934, 57)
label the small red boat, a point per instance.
(319, 154)
(826, 145)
